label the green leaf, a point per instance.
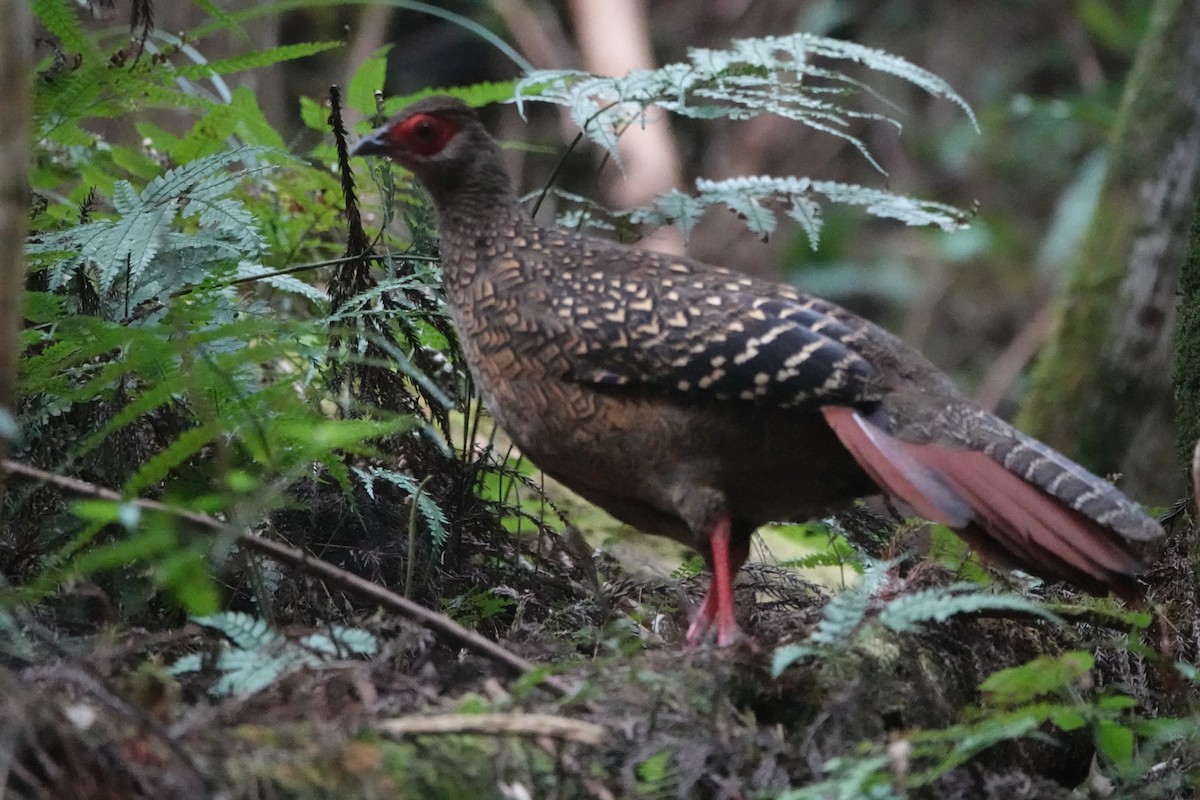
(221, 18)
(654, 771)
(60, 19)
(315, 115)
(907, 612)
(185, 575)
(1115, 741)
(338, 434)
(252, 124)
(972, 740)
(245, 631)
(262, 58)
(144, 545)
(785, 656)
(431, 512)
(155, 396)
(1067, 719)
(1116, 702)
(160, 465)
(1041, 676)
(108, 512)
(368, 79)
(475, 95)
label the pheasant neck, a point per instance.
(477, 220)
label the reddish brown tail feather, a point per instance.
(997, 512)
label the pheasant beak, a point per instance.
(374, 143)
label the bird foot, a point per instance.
(731, 636)
(729, 633)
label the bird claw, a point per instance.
(728, 636)
(728, 631)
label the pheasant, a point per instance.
(693, 402)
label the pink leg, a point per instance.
(703, 619)
(726, 559)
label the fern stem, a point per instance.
(412, 537)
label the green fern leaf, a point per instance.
(908, 612)
(807, 212)
(773, 75)
(245, 631)
(222, 19)
(751, 197)
(256, 60)
(368, 79)
(341, 641)
(284, 283)
(123, 249)
(675, 206)
(843, 615)
(60, 19)
(261, 656)
(161, 463)
(758, 218)
(155, 396)
(431, 512)
(822, 559)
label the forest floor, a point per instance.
(615, 707)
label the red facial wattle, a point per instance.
(423, 134)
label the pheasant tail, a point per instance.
(1000, 513)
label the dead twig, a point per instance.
(522, 724)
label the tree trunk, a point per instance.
(1187, 371)
(1101, 391)
(16, 59)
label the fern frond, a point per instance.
(260, 656)
(908, 612)
(246, 632)
(221, 18)
(340, 641)
(158, 466)
(774, 75)
(821, 559)
(431, 512)
(843, 615)
(122, 250)
(60, 19)
(286, 283)
(256, 60)
(753, 197)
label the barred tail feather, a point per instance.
(1003, 516)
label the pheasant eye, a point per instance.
(425, 134)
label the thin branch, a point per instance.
(522, 724)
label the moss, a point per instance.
(1187, 347)
(1083, 400)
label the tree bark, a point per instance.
(16, 60)
(1187, 373)
(1101, 391)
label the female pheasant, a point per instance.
(693, 402)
